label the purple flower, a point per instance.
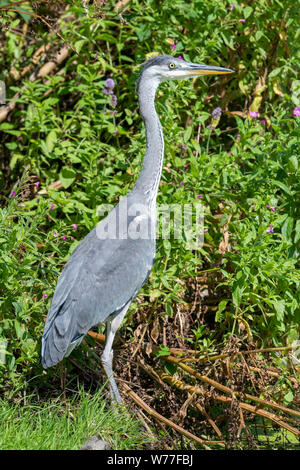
(180, 58)
(296, 111)
(181, 183)
(217, 112)
(232, 7)
(113, 101)
(110, 83)
(37, 184)
(75, 227)
(45, 296)
(27, 166)
(270, 229)
(55, 234)
(13, 193)
(107, 92)
(263, 122)
(273, 208)
(253, 114)
(173, 46)
(199, 196)
(64, 237)
(205, 230)
(242, 20)
(52, 207)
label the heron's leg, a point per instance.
(107, 355)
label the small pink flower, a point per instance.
(52, 207)
(296, 111)
(13, 193)
(205, 230)
(232, 7)
(27, 167)
(180, 58)
(75, 227)
(263, 122)
(37, 184)
(45, 296)
(242, 20)
(253, 114)
(173, 46)
(268, 205)
(272, 208)
(110, 83)
(199, 196)
(181, 183)
(55, 234)
(64, 237)
(270, 229)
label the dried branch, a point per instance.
(45, 70)
(225, 389)
(180, 385)
(166, 421)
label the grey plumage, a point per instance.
(103, 275)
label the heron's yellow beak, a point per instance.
(199, 69)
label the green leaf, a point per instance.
(221, 308)
(293, 163)
(297, 231)
(279, 306)
(258, 35)
(14, 159)
(79, 44)
(284, 187)
(187, 134)
(67, 177)
(51, 140)
(170, 368)
(247, 12)
(289, 397)
(169, 308)
(287, 227)
(237, 296)
(163, 351)
(108, 38)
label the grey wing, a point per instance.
(100, 277)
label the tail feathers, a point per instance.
(50, 354)
(58, 335)
(55, 347)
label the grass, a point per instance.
(66, 424)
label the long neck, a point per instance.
(150, 174)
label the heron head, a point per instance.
(161, 68)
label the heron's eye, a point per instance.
(171, 65)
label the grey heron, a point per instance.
(104, 273)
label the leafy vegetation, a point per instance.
(67, 147)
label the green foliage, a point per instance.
(65, 128)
